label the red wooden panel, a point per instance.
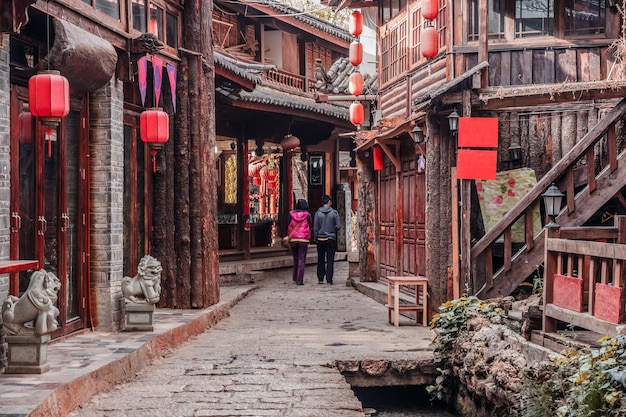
(568, 292)
(478, 132)
(608, 303)
(476, 165)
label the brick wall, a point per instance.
(5, 191)
(106, 148)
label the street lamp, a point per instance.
(417, 134)
(453, 121)
(552, 203)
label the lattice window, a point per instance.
(394, 50)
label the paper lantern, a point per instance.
(290, 142)
(154, 127)
(430, 9)
(269, 174)
(356, 113)
(356, 23)
(355, 85)
(49, 96)
(378, 158)
(430, 42)
(356, 53)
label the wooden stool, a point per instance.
(393, 298)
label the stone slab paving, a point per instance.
(275, 355)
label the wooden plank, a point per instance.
(583, 320)
(591, 170)
(505, 71)
(508, 249)
(581, 247)
(611, 142)
(570, 191)
(565, 66)
(543, 66)
(456, 286)
(529, 233)
(589, 233)
(550, 269)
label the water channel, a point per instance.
(408, 401)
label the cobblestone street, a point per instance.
(275, 355)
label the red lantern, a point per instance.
(49, 96)
(378, 158)
(356, 23)
(355, 85)
(356, 113)
(430, 9)
(290, 142)
(430, 42)
(154, 128)
(356, 53)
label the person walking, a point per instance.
(300, 231)
(325, 227)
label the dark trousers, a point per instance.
(326, 259)
(299, 250)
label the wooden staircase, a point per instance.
(587, 185)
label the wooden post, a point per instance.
(466, 211)
(456, 284)
(483, 47)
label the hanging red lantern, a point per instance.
(430, 9)
(356, 23)
(356, 113)
(378, 158)
(355, 85)
(430, 42)
(290, 142)
(49, 96)
(356, 53)
(154, 128)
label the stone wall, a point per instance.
(106, 148)
(5, 190)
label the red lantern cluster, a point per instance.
(430, 37)
(49, 97)
(356, 23)
(357, 114)
(355, 85)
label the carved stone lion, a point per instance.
(145, 287)
(35, 306)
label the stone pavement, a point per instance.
(270, 348)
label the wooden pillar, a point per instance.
(466, 212)
(367, 225)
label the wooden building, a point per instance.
(550, 73)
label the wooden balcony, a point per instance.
(288, 80)
(583, 278)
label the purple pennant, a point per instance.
(157, 66)
(142, 71)
(171, 73)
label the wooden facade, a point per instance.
(553, 80)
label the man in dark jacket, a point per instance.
(325, 227)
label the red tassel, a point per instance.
(49, 139)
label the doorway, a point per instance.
(50, 204)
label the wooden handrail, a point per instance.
(562, 173)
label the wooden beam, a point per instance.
(390, 155)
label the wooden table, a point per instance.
(393, 298)
(8, 267)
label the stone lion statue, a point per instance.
(35, 306)
(145, 287)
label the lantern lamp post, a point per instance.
(154, 128)
(552, 203)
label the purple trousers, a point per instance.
(299, 250)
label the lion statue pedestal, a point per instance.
(141, 293)
(28, 321)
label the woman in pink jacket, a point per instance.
(299, 229)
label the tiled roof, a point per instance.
(336, 79)
(267, 95)
(309, 19)
(249, 71)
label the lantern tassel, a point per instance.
(153, 152)
(49, 140)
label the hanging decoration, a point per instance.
(290, 142)
(154, 128)
(356, 23)
(157, 68)
(356, 113)
(355, 85)
(172, 74)
(142, 74)
(49, 97)
(430, 42)
(430, 9)
(356, 53)
(378, 158)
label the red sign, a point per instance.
(478, 132)
(476, 165)
(480, 136)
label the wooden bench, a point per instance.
(13, 266)
(393, 298)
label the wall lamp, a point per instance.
(453, 122)
(417, 134)
(552, 202)
(613, 6)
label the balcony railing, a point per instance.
(289, 80)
